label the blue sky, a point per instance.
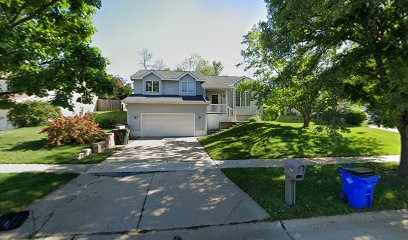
(173, 30)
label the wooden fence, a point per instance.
(109, 105)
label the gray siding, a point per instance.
(138, 86)
(170, 87)
(151, 76)
(199, 89)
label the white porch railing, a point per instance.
(222, 109)
(217, 108)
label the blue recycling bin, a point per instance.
(358, 185)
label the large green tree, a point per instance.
(45, 48)
(369, 42)
(295, 82)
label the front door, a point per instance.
(214, 99)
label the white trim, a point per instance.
(194, 93)
(152, 93)
(141, 120)
(149, 72)
(163, 78)
(237, 81)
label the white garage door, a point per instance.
(167, 125)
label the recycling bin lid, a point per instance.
(360, 172)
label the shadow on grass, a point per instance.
(19, 190)
(318, 194)
(269, 140)
(33, 145)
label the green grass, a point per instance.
(110, 118)
(267, 140)
(28, 145)
(20, 189)
(318, 193)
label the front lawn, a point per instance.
(286, 139)
(318, 193)
(106, 119)
(20, 189)
(28, 145)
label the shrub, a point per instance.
(354, 117)
(331, 117)
(271, 113)
(30, 114)
(78, 129)
(107, 122)
(107, 119)
(252, 119)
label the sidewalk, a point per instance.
(385, 225)
(280, 162)
(48, 168)
(384, 128)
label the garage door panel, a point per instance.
(158, 125)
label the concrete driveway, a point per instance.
(160, 154)
(153, 184)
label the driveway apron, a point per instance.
(153, 184)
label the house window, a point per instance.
(152, 86)
(242, 100)
(187, 87)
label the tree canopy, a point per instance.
(367, 45)
(195, 62)
(45, 47)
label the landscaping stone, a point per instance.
(99, 147)
(87, 151)
(110, 138)
(81, 155)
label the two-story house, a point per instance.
(170, 103)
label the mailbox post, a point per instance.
(294, 171)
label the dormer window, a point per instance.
(152, 86)
(187, 88)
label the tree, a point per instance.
(369, 43)
(121, 89)
(45, 47)
(293, 83)
(159, 65)
(197, 63)
(144, 58)
(218, 67)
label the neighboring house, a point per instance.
(169, 103)
(4, 123)
(78, 107)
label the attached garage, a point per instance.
(167, 124)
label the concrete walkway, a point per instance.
(54, 168)
(385, 225)
(117, 197)
(164, 188)
(166, 154)
(279, 162)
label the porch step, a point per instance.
(225, 126)
(228, 125)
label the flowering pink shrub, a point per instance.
(78, 129)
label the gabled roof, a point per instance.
(221, 81)
(210, 82)
(165, 99)
(168, 75)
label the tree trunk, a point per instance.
(306, 121)
(403, 130)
